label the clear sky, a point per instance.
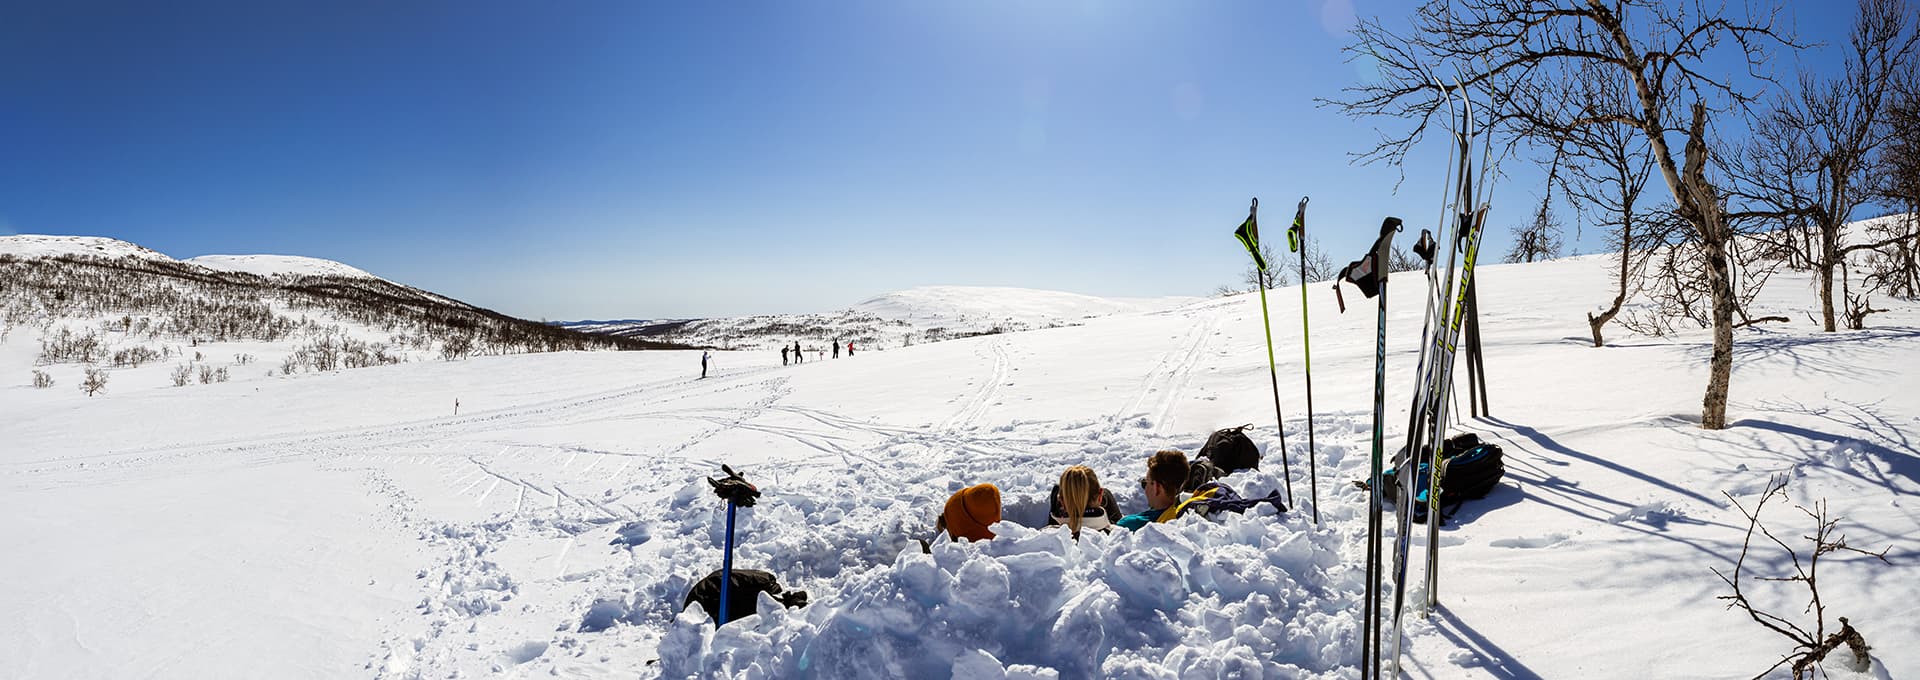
(626, 159)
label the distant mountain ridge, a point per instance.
(43, 245)
(912, 316)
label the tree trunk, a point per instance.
(1713, 415)
(1825, 274)
(1626, 260)
(1829, 257)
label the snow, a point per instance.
(38, 245)
(277, 265)
(351, 524)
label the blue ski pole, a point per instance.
(737, 492)
(726, 568)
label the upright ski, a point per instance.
(1474, 222)
(1436, 361)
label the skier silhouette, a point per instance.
(783, 355)
(704, 356)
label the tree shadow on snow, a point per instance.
(1849, 353)
(1497, 662)
(1541, 439)
(1880, 438)
(1528, 482)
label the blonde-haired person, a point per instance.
(1079, 501)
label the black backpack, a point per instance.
(743, 594)
(1469, 470)
(1200, 473)
(1230, 450)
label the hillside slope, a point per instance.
(352, 524)
(72, 305)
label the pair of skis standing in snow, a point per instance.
(1445, 312)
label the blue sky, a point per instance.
(653, 159)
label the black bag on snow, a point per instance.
(1231, 451)
(1200, 473)
(1469, 471)
(743, 594)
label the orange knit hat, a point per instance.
(971, 510)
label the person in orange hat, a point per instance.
(969, 512)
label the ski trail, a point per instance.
(1181, 376)
(560, 560)
(1160, 389)
(280, 447)
(482, 500)
(976, 405)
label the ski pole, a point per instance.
(1249, 235)
(1369, 274)
(726, 569)
(736, 491)
(1297, 240)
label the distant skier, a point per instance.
(849, 348)
(783, 355)
(704, 357)
(836, 348)
(797, 355)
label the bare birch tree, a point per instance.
(1809, 159)
(1530, 60)
(1607, 168)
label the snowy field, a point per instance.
(350, 524)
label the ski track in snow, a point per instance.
(976, 405)
(1163, 384)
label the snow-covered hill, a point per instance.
(39, 245)
(917, 315)
(356, 524)
(84, 309)
(277, 265)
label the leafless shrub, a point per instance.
(95, 381)
(182, 374)
(456, 347)
(134, 356)
(1810, 646)
(42, 380)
